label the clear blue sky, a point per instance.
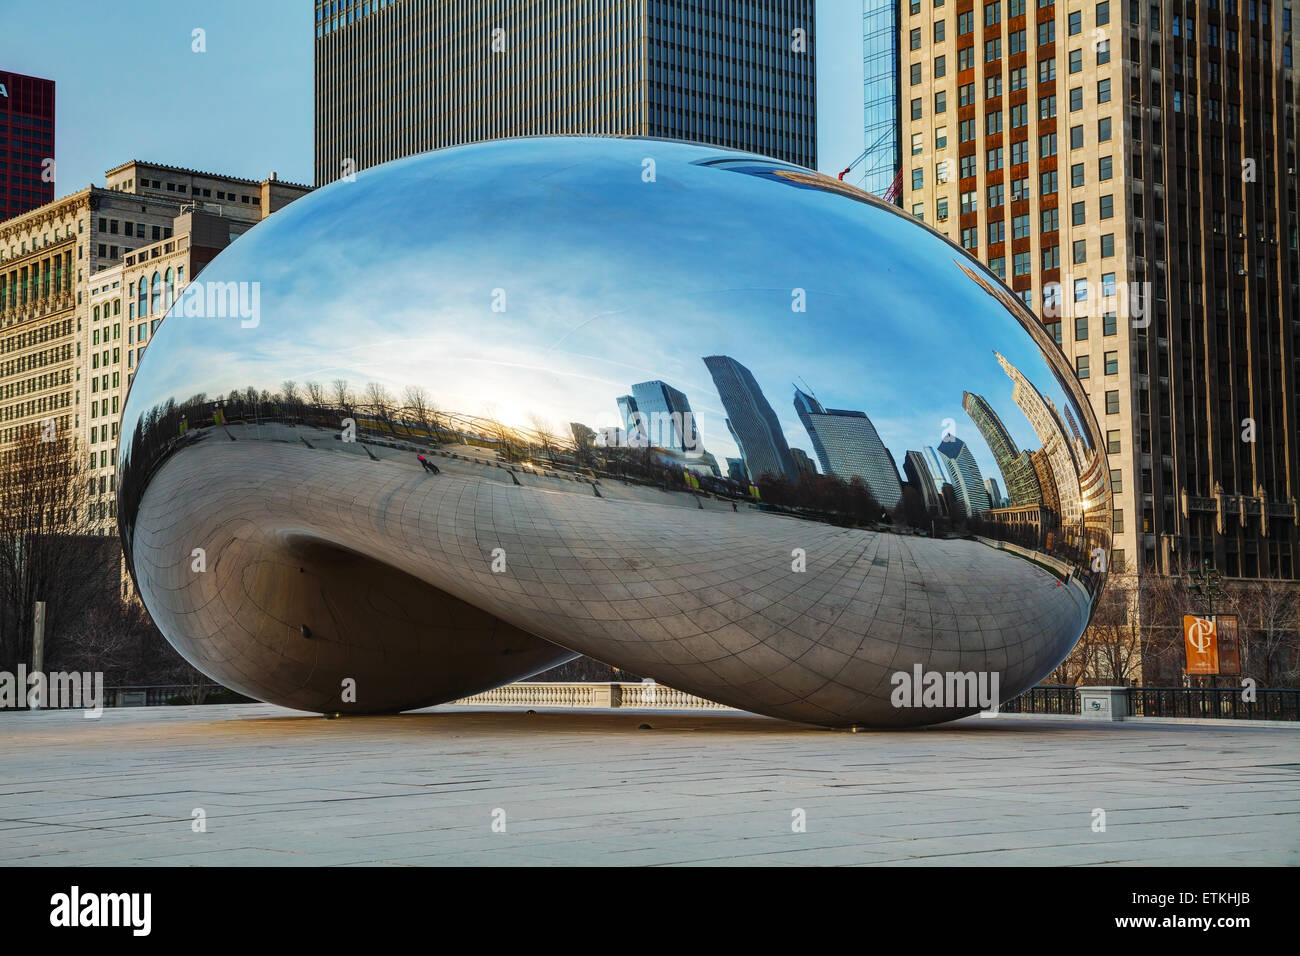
(130, 87)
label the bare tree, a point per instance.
(315, 393)
(46, 552)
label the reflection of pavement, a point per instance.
(590, 788)
(703, 600)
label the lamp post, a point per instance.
(1207, 584)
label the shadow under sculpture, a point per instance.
(711, 418)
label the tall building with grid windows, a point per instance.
(26, 143)
(398, 77)
(881, 163)
(1129, 169)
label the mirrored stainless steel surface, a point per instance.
(717, 420)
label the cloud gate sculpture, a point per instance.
(712, 418)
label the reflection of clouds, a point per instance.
(393, 283)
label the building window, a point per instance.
(1107, 207)
(1112, 402)
(1076, 137)
(1020, 227)
(1118, 526)
(1108, 324)
(1021, 264)
(995, 196)
(1080, 251)
(1081, 366)
(1104, 168)
(1103, 91)
(1103, 129)
(998, 266)
(1078, 214)
(918, 144)
(916, 73)
(1112, 441)
(1051, 219)
(918, 179)
(1076, 175)
(1076, 23)
(916, 39)
(1108, 245)
(1076, 61)
(916, 108)
(940, 67)
(1116, 481)
(1052, 257)
(1076, 99)
(941, 101)
(1081, 329)
(1112, 363)
(997, 231)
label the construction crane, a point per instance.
(895, 188)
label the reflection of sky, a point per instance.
(608, 280)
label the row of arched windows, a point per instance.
(157, 296)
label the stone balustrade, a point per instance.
(647, 695)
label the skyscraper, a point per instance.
(883, 160)
(802, 462)
(633, 433)
(751, 420)
(995, 495)
(918, 474)
(966, 478)
(665, 416)
(847, 445)
(1129, 170)
(396, 78)
(26, 143)
(1050, 429)
(1016, 467)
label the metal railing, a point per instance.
(1221, 703)
(155, 695)
(1044, 699)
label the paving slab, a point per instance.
(505, 787)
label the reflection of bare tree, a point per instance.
(824, 496)
(418, 408)
(344, 400)
(544, 435)
(380, 404)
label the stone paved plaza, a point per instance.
(584, 787)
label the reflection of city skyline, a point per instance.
(1057, 477)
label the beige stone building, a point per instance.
(1128, 168)
(84, 282)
